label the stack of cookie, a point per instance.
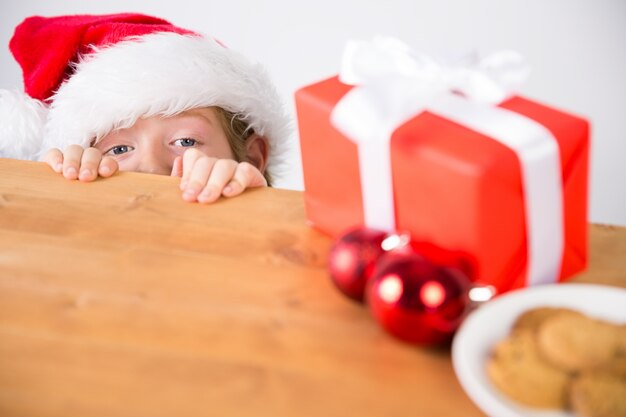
(557, 358)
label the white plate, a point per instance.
(492, 322)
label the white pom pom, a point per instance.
(22, 121)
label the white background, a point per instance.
(577, 50)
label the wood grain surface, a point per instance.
(117, 298)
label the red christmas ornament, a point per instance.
(416, 300)
(352, 260)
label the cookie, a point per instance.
(534, 318)
(516, 369)
(598, 395)
(578, 343)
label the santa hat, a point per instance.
(87, 75)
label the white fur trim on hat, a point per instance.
(163, 74)
(22, 121)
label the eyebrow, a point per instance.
(196, 114)
(192, 114)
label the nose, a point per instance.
(160, 169)
(155, 162)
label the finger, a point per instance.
(198, 178)
(108, 166)
(177, 167)
(189, 159)
(54, 158)
(246, 176)
(89, 164)
(221, 174)
(71, 161)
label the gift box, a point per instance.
(517, 207)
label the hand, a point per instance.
(205, 179)
(82, 164)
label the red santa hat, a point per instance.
(87, 75)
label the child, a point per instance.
(135, 93)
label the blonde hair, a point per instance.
(237, 132)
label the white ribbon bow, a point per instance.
(489, 79)
(394, 85)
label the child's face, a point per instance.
(152, 144)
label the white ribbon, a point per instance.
(394, 85)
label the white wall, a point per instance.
(576, 47)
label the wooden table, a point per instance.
(119, 299)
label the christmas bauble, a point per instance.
(416, 300)
(352, 259)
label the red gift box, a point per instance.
(453, 187)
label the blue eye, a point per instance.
(119, 150)
(186, 142)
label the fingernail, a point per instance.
(71, 171)
(228, 189)
(189, 192)
(58, 167)
(85, 173)
(183, 184)
(105, 170)
(207, 194)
